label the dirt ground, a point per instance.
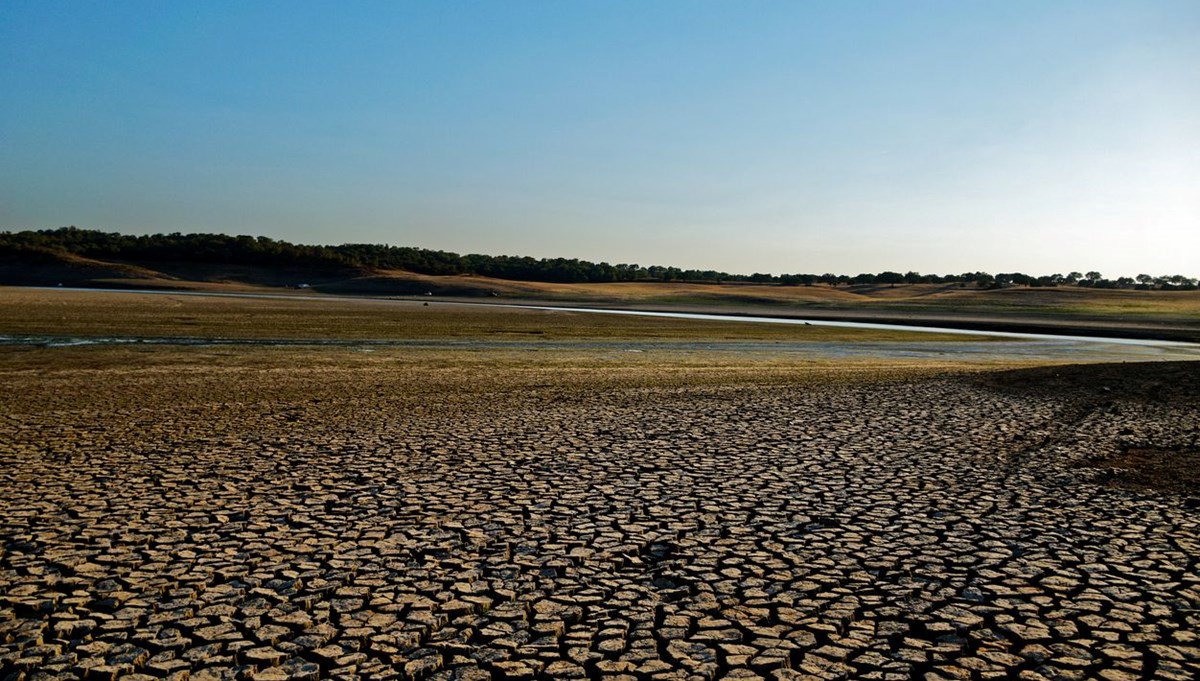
(357, 512)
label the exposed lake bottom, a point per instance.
(307, 512)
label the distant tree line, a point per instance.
(265, 252)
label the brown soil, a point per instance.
(417, 514)
(1162, 382)
(1112, 397)
(1159, 469)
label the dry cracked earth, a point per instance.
(389, 525)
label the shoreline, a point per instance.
(964, 322)
(1082, 329)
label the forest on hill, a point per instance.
(265, 252)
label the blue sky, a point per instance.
(742, 136)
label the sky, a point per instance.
(747, 136)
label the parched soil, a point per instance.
(1173, 470)
(1146, 458)
(326, 513)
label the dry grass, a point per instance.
(1068, 302)
(1174, 314)
(1183, 305)
(637, 292)
(110, 314)
(932, 297)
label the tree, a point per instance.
(890, 278)
(1017, 278)
(797, 279)
(984, 280)
(49, 244)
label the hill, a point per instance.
(82, 258)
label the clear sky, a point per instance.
(742, 136)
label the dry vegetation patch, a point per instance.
(106, 314)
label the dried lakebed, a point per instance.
(394, 522)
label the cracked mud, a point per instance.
(205, 519)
